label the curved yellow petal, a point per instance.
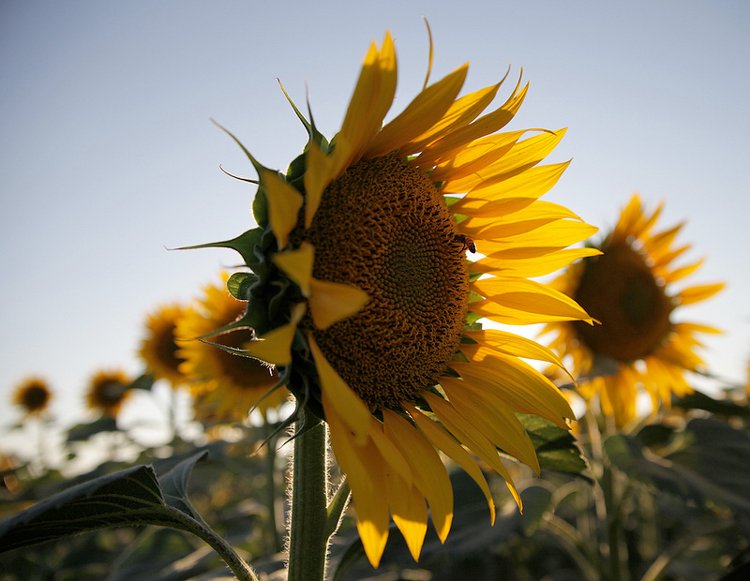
(275, 347)
(391, 453)
(409, 512)
(365, 471)
(430, 476)
(531, 296)
(523, 387)
(464, 431)
(331, 302)
(298, 265)
(445, 442)
(698, 293)
(318, 174)
(493, 417)
(284, 203)
(423, 112)
(340, 397)
(539, 265)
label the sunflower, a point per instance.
(225, 384)
(362, 295)
(108, 390)
(33, 396)
(159, 347)
(630, 289)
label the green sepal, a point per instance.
(260, 207)
(295, 173)
(240, 285)
(314, 135)
(244, 245)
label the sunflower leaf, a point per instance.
(82, 432)
(700, 401)
(144, 382)
(555, 448)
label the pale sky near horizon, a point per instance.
(108, 155)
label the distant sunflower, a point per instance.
(108, 390)
(630, 290)
(33, 396)
(159, 347)
(227, 384)
(362, 296)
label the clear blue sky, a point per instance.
(108, 155)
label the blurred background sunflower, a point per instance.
(632, 290)
(225, 385)
(159, 346)
(107, 391)
(32, 396)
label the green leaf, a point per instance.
(700, 401)
(144, 382)
(174, 485)
(84, 431)
(130, 497)
(556, 448)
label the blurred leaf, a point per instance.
(84, 431)
(700, 401)
(174, 485)
(556, 448)
(655, 435)
(712, 465)
(144, 382)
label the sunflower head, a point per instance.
(33, 396)
(631, 290)
(361, 295)
(222, 378)
(108, 390)
(159, 347)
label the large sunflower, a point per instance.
(225, 384)
(107, 391)
(362, 295)
(630, 289)
(33, 396)
(159, 347)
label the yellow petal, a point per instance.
(284, 203)
(462, 428)
(391, 453)
(441, 439)
(524, 155)
(476, 156)
(298, 265)
(340, 397)
(430, 476)
(364, 468)
(275, 347)
(485, 125)
(543, 263)
(409, 512)
(423, 112)
(531, 296)
(318, 174)
(331, 302)
(698, 293)
(521, 386)
(371, 100)
(492, 416)
(461, 113)
(488, 340)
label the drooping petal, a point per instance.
(340, 397)
(331, 302)
(284, 203)
(365, 469)
(275, 347)
(445, 442)
(409, 512)
(298, 265)
(429, 472)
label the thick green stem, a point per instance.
(273, 533)
(308, 543)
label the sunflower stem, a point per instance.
(275, 541)
(308, 543)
